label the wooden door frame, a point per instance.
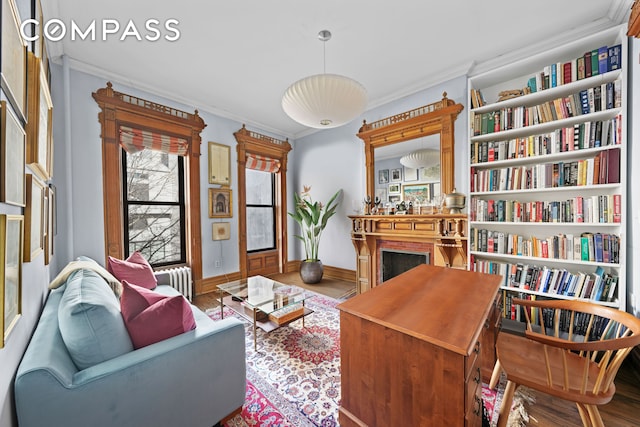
(250, 142)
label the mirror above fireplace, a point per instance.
(436, 119)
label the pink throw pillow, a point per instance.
(150, 317)
(135, 299)
(134, 269)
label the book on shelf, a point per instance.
(558, 247)
(598, 285)
(614, 58)
(603, 59)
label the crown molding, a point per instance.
(169, 95)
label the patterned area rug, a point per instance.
(294, 377)
(492, 399)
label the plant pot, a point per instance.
(311, 271)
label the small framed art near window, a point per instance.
(220, 203)
(219, 164)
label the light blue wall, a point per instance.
(83, 164)
(334, 158)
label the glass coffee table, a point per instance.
(265, 302)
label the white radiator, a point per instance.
(180, 279)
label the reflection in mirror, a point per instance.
(398, 133)
(418, 179)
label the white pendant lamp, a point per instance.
(324, 101)
(423, 158)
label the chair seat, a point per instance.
(523, 360)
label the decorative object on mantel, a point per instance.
(634, 20)
(423, 158)
(312, 218)
(324, 101)
(455, 202)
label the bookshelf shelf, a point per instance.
(575, 188)
(539, 260)
(557, 296)
(546, 224)
(523, 147)
(544, 158)
(554, 92)
(546, 127)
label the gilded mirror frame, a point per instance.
(438, 117)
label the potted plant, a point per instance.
(312, 218)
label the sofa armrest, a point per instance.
(196, 378)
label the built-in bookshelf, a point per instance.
(547, 190)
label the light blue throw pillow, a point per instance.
(90, 321)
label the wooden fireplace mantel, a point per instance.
(442, 234)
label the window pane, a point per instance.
(155, 232)
(259, 187)
(152, 176)
(260, 228)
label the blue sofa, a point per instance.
(193, 379)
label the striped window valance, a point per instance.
(134, 140)
(262, 163)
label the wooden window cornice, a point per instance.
(118, 108)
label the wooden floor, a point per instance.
(622, 411)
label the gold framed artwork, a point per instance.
(37, 46)
(33, 218)
(221, 231)
(220, 203)
(12, 152)
(416, 193)
(13, 59)
(219, 164)
(39, 125)
(49, 222)
(11, 230)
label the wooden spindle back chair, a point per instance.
(571, 350)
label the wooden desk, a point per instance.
(411, 351)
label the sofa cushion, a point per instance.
(134, 269)
(150, 317)
(90, 321)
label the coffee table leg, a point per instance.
(255, 330)
(221, 305)
(303, 314)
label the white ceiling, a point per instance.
(235, 58)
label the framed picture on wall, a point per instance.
(39, 125)
(219, 164)
(394, 199)
(410, 174)
(394, 188)
(33, 218)
(221, 231)
(13, 59)
(11, 238)
(396, 175)
(12, 152)
(220, 203)
(416, 193)
(383, 176)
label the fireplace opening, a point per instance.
(396, 262)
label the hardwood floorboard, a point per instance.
(547, 411)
